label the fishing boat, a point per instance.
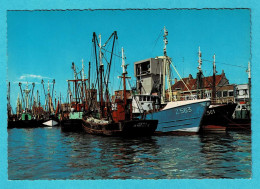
(241, 119)
(72, 119)
(50, 123)
(157, 102)
(217, 116)
(49, 119)
(220, 111)
(24, 113)
(118, 120)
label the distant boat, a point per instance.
(71, 121)
(24, 117)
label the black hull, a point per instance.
(218, 115)
(71, 125)
(125, 128)
(23, 124)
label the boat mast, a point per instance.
(89, 92)
(214, 80)
(75, 83)
(27, 91)
(164, 65)
(249, 82)
(199, 77)
(8, 101)
(18, 106)
(48, 99)
(101, 67)
(82, 84)
(166, 68)
(124, 73)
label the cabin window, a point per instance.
(145, 67)
(224, 93)
(148, 98)
(230, 93)
(245, 92)
(144, 99)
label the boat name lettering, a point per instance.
(140, 125)
(210, 112)
(183, 110)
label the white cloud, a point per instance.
(32, 76)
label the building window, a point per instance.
(219, 94)
(230, 93)
(224, 93)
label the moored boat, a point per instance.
(156, 101)
(180, 116)
(50, 123)
(118, 120)
(218, 115)
(72, 120)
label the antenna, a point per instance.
(123, 61)
(200, 61)
(100, 53)
(249, 71)
(82, 70)
(165, 40)
(214, 64)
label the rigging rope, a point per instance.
(180, 77)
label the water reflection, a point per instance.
(51, 154)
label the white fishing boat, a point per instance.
(50, 123)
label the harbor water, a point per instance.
(49, 153)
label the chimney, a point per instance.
(175, 80)
(190, 76)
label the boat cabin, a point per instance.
(144, 103)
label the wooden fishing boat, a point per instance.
(116, 120)
(121, 128)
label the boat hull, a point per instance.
(23, 124)
(183, 118)
(71, 125)
(124, 128)
(218, 115)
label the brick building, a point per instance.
(224, 90)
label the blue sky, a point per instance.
(43, 44)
